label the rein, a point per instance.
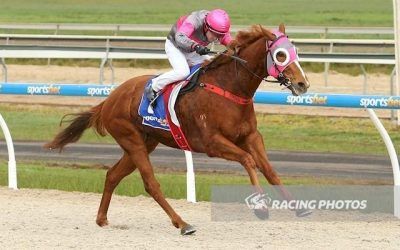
(222, 92)
(281, 79)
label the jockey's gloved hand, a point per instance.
(201, 50)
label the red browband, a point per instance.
(226, 94)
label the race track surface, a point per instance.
(286, 163)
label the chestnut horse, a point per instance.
(213, 124)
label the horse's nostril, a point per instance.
(302, 85)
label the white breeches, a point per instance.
(180, 62)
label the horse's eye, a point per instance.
(281, 56)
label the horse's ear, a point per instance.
(269, 34)
(282, 28)
(234, 46)
(237, 49)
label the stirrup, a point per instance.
(151, 94)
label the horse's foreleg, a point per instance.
(255, 146)
(114, 175)
(221, 147)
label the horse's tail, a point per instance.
(78, 125)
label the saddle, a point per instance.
(161, 113)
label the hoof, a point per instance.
(187, 230)
(102, 222)
(262, 214)
(303, 212)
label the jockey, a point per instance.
(186, 44)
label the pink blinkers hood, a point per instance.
(280, 44)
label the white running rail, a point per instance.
(12, 166)
(393, 158)
(190, 178)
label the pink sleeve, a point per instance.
(186, 28)
(225, 40)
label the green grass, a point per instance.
(291, 12)
(40, 176)
(41, 123)
(325, 134)
(121, 63)
(269, 13)
(92, 180)
(349, 69)
(280, 132)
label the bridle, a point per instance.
(271, 62)
(272, 66)
(280, 77)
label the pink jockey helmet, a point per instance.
(218, 21)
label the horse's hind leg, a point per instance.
(152, 187)
(131, 140)
(114, 175)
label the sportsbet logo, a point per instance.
(380, 102)
(100, 91)
(307, 99)
(43, 90)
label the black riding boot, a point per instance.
(150, 93)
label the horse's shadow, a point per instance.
(120, 227)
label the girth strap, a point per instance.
(232, 97)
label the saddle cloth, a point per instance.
(162, 114)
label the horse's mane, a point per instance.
(243, 39)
